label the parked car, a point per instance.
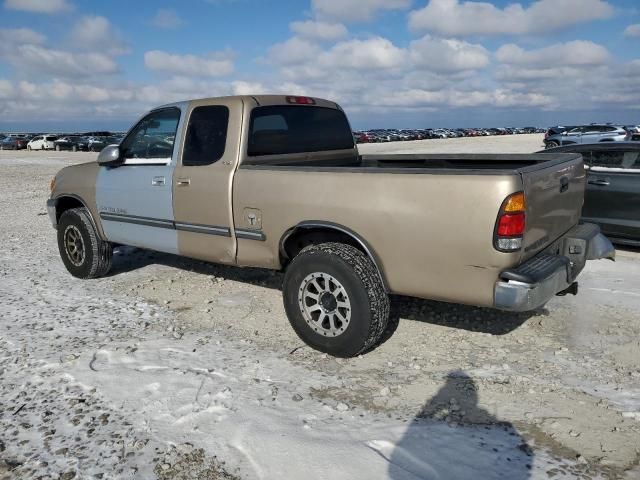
(72, 142)
(612, 197)
(587, 134)
(42, 142)
(96, 144)
(342, 255)
(13, 143)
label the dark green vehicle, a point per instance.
(612, 198)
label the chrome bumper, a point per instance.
(51, 210)
(534, 283)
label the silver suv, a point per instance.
(587, 134)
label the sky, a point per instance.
(82, 64)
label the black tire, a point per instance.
(97, 254)
(552, 144)
(369, 303)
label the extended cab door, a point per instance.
(613, 192)
(203, 180)
(134, 199)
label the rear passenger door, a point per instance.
(612, 198)
(203, 178)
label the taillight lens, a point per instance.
(511, 224)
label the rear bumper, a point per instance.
(535, 282)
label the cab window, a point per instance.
(206, 136)
(152, 139)
(284, 129)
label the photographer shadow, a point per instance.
(452, 437)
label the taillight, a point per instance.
(511, 223)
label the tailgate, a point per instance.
(554, 194)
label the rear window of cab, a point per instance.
(285, 129)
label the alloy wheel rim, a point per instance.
(74, 245)
(324, 304)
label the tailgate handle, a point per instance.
(564, 184)
(599, 182)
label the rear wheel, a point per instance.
(335, 300)
(74, 148)
(57, 148)
(552, 144)
(82, 251)
(29, 147)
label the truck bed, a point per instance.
(414, 163)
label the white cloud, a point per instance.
(458, 98)
(10, 37)
(355, 10)
(455, 18)
(6, 89)
(38, 6)
(371, 54)
(248, 88)
(167, 18)
(575, 53)
(442, 55)
(40, 60)
(302, 58)
(96, 33)
(212, 65)
(632, 30)
(317, 30)
(294, 51)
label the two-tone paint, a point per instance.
(428, 230)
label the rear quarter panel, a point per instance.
(432, 233)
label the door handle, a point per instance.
(158, 181)
(183, 182)
(599, 182)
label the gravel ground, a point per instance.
(99, 377)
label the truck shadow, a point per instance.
(129, 259)
(462, 317)
(454, 436)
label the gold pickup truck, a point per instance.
(277, 182)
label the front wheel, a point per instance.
(335, 300)
(552, 144)
(82, 251)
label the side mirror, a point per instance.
(110, 156)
